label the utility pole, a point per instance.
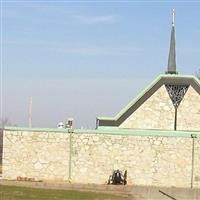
(30, 113)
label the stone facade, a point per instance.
(157, 112)
(1, 145)
(189, 111)
(196, 171)
(1, 149)
(38, 155)
(149, 160)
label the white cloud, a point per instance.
(94, 20)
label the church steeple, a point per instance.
(171, 69)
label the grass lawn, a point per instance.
(22, 193)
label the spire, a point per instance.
(171, 69)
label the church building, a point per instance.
(155, 139)
(170, 102)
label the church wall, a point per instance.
(149, 160)
(157, 112)
(188, 117)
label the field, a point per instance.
(23, 193)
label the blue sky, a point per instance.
(88, 59)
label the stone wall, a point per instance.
(196, 169)
(1, 146)
(149, 160)
(1, 149)
(189, 111)
(38, 155)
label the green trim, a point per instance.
(131, 103)
(144, 91)
(112, 131)
(12, 128)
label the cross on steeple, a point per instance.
(171, 68)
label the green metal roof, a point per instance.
(160, 80)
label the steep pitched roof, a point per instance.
(145, 94)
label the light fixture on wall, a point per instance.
(69, 123)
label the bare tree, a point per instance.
(5, 122)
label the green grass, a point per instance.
(23, 193)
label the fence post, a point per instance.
(193, 136)
(70, 131)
